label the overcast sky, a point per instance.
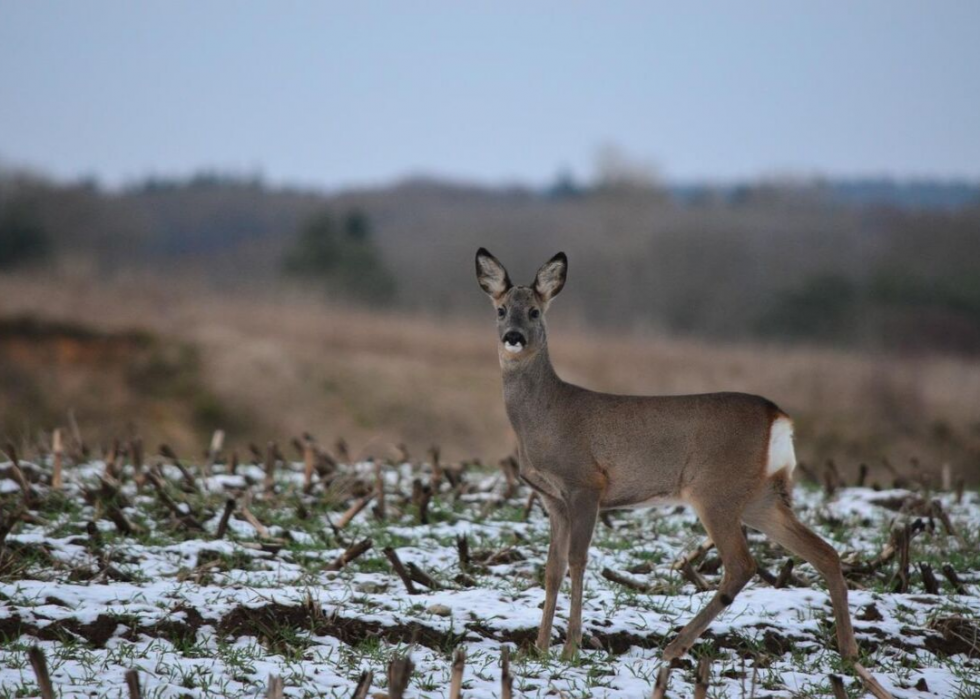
(333, 94)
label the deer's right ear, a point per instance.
(491, 274)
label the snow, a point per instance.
(504, 605)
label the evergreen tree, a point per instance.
(22, 236)
(342, 256)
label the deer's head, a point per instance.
(520, 309)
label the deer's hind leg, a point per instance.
(724, 527)
(771, 515)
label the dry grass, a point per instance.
(381, 378)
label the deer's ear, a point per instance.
(551, 277)
(491, 274)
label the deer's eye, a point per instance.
(501, 312)
(534, 314)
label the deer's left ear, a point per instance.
(551, 277)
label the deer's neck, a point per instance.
(531, 389)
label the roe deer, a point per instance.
(728, 455)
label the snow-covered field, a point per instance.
(198, 616)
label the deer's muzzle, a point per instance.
(514, 341)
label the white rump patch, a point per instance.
(513, 348)
(781, 453)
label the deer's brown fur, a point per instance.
(584, 451)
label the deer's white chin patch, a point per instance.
(513, 349)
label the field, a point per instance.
(260, 428)
(261, 365)
(206, 577)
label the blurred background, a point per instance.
(262, 218)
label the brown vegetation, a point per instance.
(378, 379)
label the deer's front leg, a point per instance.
(555, 568)
(583, 509)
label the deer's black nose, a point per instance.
(512, 337)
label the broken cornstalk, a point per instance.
(422, 578)
(40, 665)
(506, 680)
(663, 678)
(456, 678)
(695, 577)
(704, 674)
(399, 673)
(399, 568)
(133, 684)
(353, 510)
(363, 685)
(354, 551)
(626, 582)
(692, 557)
(57, 451)
(225, 516)
(270, 467)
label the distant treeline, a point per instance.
(869, 263)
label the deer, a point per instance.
(729, 456)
